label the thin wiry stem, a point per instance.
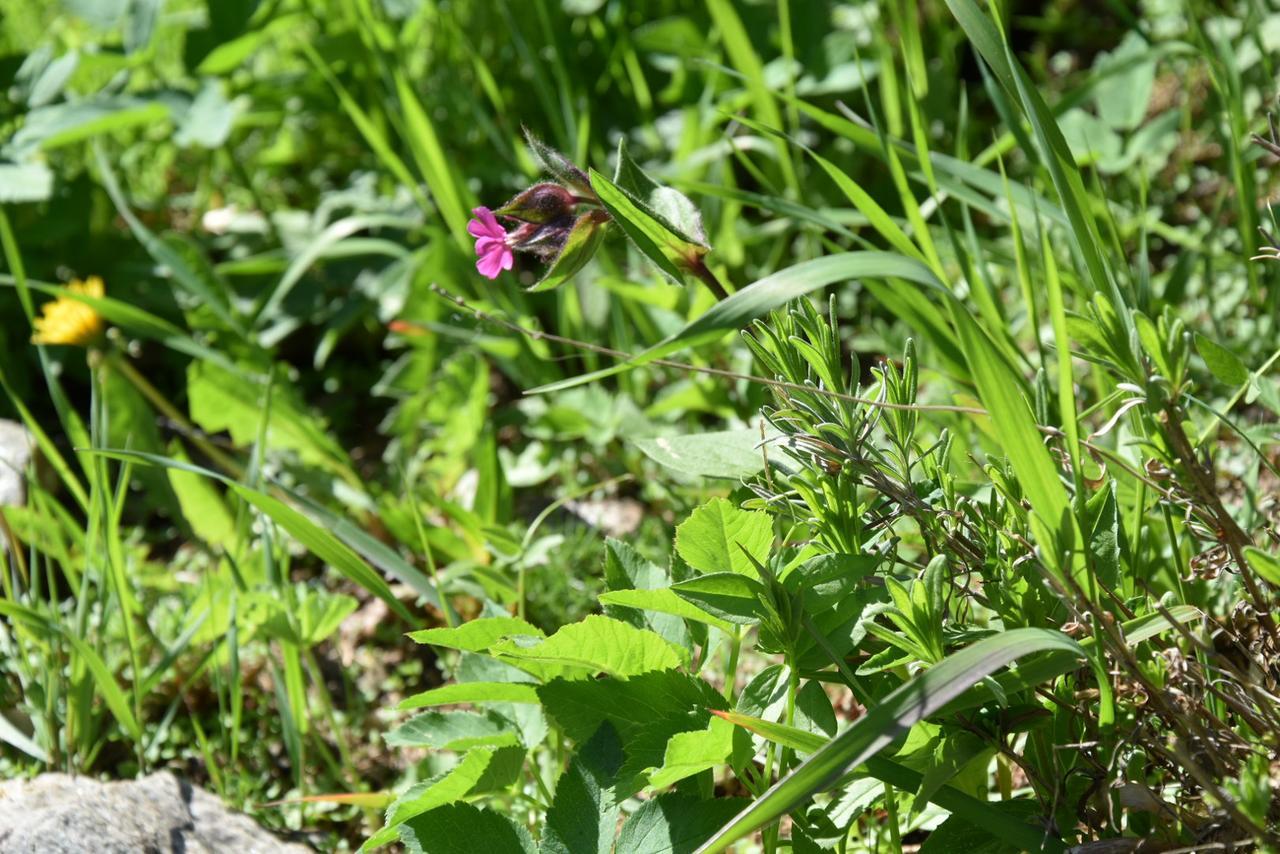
(538, 335)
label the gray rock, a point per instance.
(159, 814)
(15, 454)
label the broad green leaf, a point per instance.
(583, 241)
(1266, 565)
(209, 119)
(915, 700)
(827, 576)
(766, 696)
(664, 601)
(674, 824)
(629, 575)
(763, 296)
(671, 251)
(692, 752)
(471, 692)
(454, 730)
(56, 125)
(202, 505)
(25, 182)
(1104, 539)
(228, 55)
(464, 829)
(579, 706)
(1223, 364)
(1123, 102)
(597, 644)
(220, 400)
(477, 635)
(583, 817)
(673, 210)
(957, 834)
(451, 786)
(730, 454)
(721, 537)
(730, 596)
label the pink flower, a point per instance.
(492, 246)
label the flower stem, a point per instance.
(699, 268)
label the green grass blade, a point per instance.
(744, 58)
(451, 197)
(1001, 390)
(108, 688)
(761, 297)
(976, 812)
(913, 701)
(319, 541)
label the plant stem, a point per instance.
(731, 668)
(708, 278)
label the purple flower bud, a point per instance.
(542, 203)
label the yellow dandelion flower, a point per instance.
(69, 321)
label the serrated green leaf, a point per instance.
(471, 692)
(583, 817)
(727, 595)
(464, 829)
(721, 537)
(597, 644)
(579, 706)
(664, 601)
(477, 635)
(454, 730)
(693, 752)
(451, 786)
(674, 824)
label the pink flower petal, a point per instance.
(485, 225)
(485, 245)
(494, 261)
